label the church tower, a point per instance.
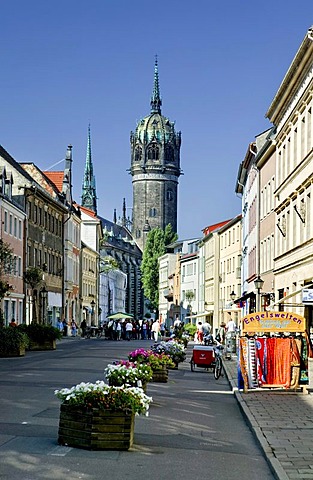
(89, 196)
(155, 169)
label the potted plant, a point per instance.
(97, 416)
(158, 362)
(172, 348)
(12, 342)
(41, 337)
(128, 373)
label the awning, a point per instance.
(199, 315)
(244, 297)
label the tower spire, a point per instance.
(156, 101)
(89, 196)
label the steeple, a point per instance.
(156, 101)
(89, 196)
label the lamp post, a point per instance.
(258, 283)
(233, 296)
(93, 304)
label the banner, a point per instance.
(273, 322)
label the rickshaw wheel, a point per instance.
(218, 368)
(192, 365)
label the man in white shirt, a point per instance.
(128, 329)
(231, 326)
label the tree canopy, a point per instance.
(155, 247)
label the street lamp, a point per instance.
(233, 295)
(258, 283)
(93, 304)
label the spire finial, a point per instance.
(89, 197)
(156, 101)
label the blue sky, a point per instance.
(70, 62)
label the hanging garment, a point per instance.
(248, 362)
(295, 362)
(261, 359)
(279, 362)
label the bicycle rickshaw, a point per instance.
(208, 357)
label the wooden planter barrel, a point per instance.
(17, 352)
(95, 429)
(160, 376)
(44, 345)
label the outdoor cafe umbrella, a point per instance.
(118, 315)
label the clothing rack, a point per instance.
(273, 351)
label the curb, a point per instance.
(272, 461)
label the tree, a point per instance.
(155, 247)
(6, 267)
(33, 276)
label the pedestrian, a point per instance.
(221, 333)
(128, 330)
(231, 327)
(13, 323)
(118, 330)
(144, 330)
(65, 328)
(162, 330)
(60, 325)
(83, 326)
(73, 328)
(200, 333)
(156, 330)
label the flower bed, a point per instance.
(155, 360)
(128, 373)
(172, 348)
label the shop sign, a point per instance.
(273, 322)
(307, 295)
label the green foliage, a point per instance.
(155, 247)
(6, 258)
(190, 329)
(40, 333)
(11, 339)
(6, 267)
(189, 294)
(33, 276)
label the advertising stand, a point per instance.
(273, 351)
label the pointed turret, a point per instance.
(156, 101)
(89, 196)
(124, 219)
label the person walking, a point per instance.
(118, 331)
(83, 327)
(156, 330)
(128, 330)
(73, 328)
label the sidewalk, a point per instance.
(282, 424)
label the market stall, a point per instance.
(273, 351)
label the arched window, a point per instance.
(153, 212)
(169, 154)
(138, 154)
(153, 152)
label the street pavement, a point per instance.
(195, 429)
(282, 423)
